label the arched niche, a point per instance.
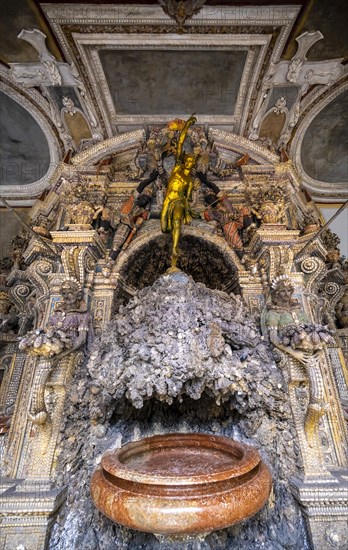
(204, 255)
(322, 168)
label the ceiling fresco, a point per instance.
(15, 16)
(111, 67)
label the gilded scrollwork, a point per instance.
(84, 200)
(268, 198)
(313, 268)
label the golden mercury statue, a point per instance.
(176, 209)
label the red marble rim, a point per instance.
(238, 458)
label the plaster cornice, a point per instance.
(131, 140)
(108, 147)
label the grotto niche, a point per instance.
(208, 263)
(176, 354)
(179, 357)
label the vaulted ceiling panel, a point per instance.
(114, 67)
(147, 82)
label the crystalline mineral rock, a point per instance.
(178, 337)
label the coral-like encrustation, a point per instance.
(178, 357)
(177, 338)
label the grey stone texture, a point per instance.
(324, 150)
(178, 357)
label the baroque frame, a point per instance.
(129, 26)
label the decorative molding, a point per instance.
(110, 146)
(220, 138)
(243, 145)
(73, 23)
(60, 14)
(47, 71)
(299, 74)
(89, 46)
(178, 11)
(33, 449)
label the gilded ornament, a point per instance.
(84, 201)
(48, 390)
(268, 200)
(176, 209)
(181, 10)
(310, 223)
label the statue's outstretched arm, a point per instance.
(210, 184)
(78, 343)
(145, 182)
(183, 134)
(301, 355)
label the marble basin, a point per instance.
(181, 484)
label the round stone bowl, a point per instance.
(181, 484)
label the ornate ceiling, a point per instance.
(108, 68)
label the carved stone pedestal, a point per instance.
(324, 505)
(28, 510)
